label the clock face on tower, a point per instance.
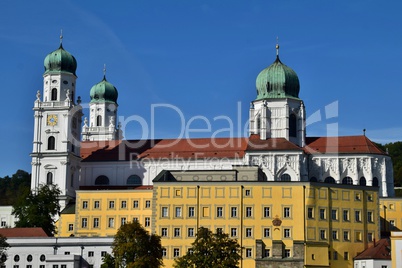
(51, 120)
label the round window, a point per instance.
(29, 258)
(3, 258)
(17, 258)
(42, 257)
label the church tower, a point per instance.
(57, 131)
(277, 112)
(103, 113)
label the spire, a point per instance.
(104, 71)
(277, 47)
(61, 38)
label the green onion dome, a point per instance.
(277, 81)
(60, 61)
(103, 92)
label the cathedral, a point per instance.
(71, 151)
(289, 200)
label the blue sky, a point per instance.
(202, 57)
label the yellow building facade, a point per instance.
(296, 224)
(102, 212)
(391, 214)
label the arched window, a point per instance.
(362, 181)
(375, 182)
(51, 143)
(102, 180)
(329, 180)
(313, 179)
(99, 121)
(292, 125)
(53, 97)
(258, 124)
(285, 177)
(347, 180)
(49, 178)
(134, 180)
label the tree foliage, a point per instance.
(11, 187)
(211, 250)
(395, 152)
(134, 247)
(3, 247)
(38, 209)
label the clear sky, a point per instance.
(201, 58)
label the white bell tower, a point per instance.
(57, 127)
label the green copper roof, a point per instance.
(277, 81)
(60, 61)
(103, 92)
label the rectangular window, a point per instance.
(176, 252)
(286, 232)
(346, 256)
(111, 223)
(164, 252)
(135, 219)
(96, 204)
(71, 227)
(233, 232)
(103, 253)
(219, 212)
(267, 253)
(164, 212)
(177, 232)
(345, 215)
(123, 221)
(191, 212)
(323, 234)
(177, 213)
(357, 197)
(147, 221)
(346, 235)
(62, 266)
(249, 232)
(84, 223)
(335, 255)
(3, 222)
(322, 214)
(90, 253)
(233, 212)
(111, 204)
(334, 214)
(310, 213)
(249, 253)
(135, 204)
(358, 236)
(287, 253)
(248, 192)
(370, 237)
(286, 212)
(84, 204)
(219, 230)
(205, 212)
(267, 212)
(190, 232)
(164, 232)
(123, 204)
(147, 203)
(267, 232)
(67, 253)
(370, 216)
(96, 222)
(335, 235)
(357, 216)
(249, 212)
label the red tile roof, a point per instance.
(343, 144)
(167, 148)
(274, 144)
(201, 148)
(23, 232)
(379, 251)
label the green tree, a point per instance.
(3, 247)
(108, 261)
(211, 250)
(10, 188)
(134, 247)
(38, 208)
